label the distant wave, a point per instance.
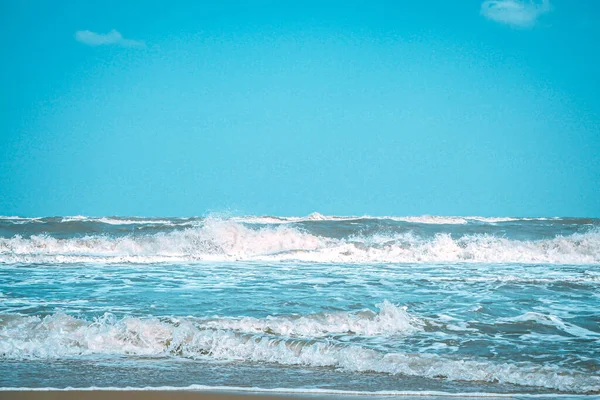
(227, 240)
(267, 219)
(62, 336)
(423, 219)
(100, 220)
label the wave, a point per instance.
(101, 220)
(553, 321)
(58, 335)
(267, 219)
(127, 221)
(320, 217)
(226, 240)
(63, 336)
(121, 221)
(389, 320)
(423, 219)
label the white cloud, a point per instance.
(516, 13)
(111, 38)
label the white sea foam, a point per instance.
(265, 219)
(60, 336)
(429, 219)
(449, 220)
(501, 219)
(225, 240)
(20, 220)
(120, 221)
(103, 220)
(286, 220)
(74, 218)
(123, 221)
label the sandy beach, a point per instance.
(138, 395)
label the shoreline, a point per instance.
(236, 393)
(128, 394)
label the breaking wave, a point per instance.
(227, 240)
(389, 320)
(279, 340)
(60, 335)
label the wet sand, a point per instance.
(141, 395)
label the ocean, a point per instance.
(373, 306)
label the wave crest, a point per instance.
(390, 319)
(225, 240)
(61, 335)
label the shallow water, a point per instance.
(394, 304)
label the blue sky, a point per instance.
(266, 107)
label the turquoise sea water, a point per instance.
(392, 304)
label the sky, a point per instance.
(185, 108)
